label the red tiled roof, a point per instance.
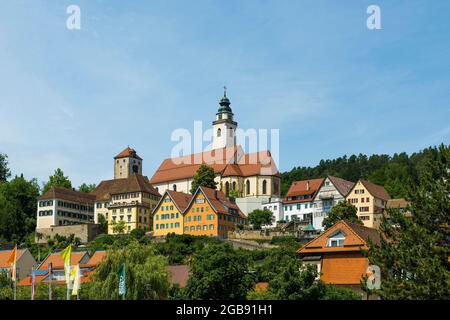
(180, 199)
(376, 190)
(230, 161)
(69, 195)
(178, 274)
(5, 254)
(128, 152)
(57, 262)
(96, 258)
(304, 187)
(134, 183)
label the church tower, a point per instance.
(126, 163)
(224, 128)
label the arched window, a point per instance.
(227, 188)
(234, 186)
(219, 132)
(174, 187)
(264, 187)
(248, 187)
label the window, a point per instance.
(174, 187)
(227, 188)
(264, 187)
(248, 187)
(364, 218)
(219, 132)
(336, 239)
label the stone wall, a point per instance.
(86, 232)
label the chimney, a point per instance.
(307, 185)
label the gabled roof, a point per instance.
(57, 261)
(228, 161)
(304, 187)
(218, 201)
(128, 152)
(134, 183)
(376, 190)
(357, 237)
(68, 194)
(342, 186)
(180, 199)
(5, 254)
(96, 258)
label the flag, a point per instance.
(66, 255)
(122, 284)
(12, 261)
(75, 276)
(33, 281)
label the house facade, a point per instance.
(298, 204)
(168, 213)
(332, 191)
(24, 262)
(60, 206)
(276, 206)
(370, 201)
(337, 254)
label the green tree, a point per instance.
(145, 273)
(18, 205)
(342, 211)
(219, 272)
(86, 188)
(103, 223)
(57, 180)
(137, 233)
(119, 227)
(204, 177)
(259, 217)
(5, 173)
(414, 250)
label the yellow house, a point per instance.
(370, 200)
(168, 213)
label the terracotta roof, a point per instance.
(365, 233)
(397, 203)
(230, 161)
(26, 282)
(300, 188)
(178, 274)
(180, 199)
(68, 194)
(57, 262)
(343, 186)
(376, 190)
(5, 254)
(219, 202)
(96, 258)
(261, 286)
(134, 183)
(128, 152)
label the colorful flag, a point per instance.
(12, 261)
(122, 283)
(66, 255)
(75, 276)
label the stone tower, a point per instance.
(126, 163)
(224, 127)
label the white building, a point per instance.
(331, 192)
(298, 203)
(276, 206)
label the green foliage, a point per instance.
(119, 227)
(204, 177)
(234, 194)
(137, 233)
(259, 217)
(86, 188)
(103, 223)
(219, 272)
(146, 275)
(261, 295)
(5, 173)
(57, 180)
(18, 205)
(342, 211)
(414, 258)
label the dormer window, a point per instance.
(336, 239)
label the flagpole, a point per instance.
(15, 289)
(50, 274)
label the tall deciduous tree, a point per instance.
(86, 188)
(342, 211)
(259, 217)
(219, 272)
(413, 254)
(57, 180)
(204, 177)
(5, 173)
(146, 277)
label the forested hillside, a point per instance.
(394, 172)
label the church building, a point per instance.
(253, 176)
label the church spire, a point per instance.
(225, 102)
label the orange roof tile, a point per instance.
(96, 258)
(304, 187)
(5, 254)
(57, 262)
(376, 190)
(128, 152)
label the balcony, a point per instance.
(326, 196)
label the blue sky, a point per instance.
(137, 70)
